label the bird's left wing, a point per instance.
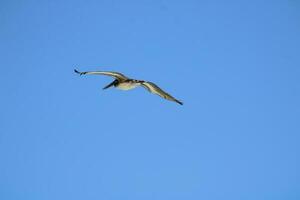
(116, 75)
(151, 87)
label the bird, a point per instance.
(124, 83)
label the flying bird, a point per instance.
(124, 83)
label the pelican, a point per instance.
(124, 83)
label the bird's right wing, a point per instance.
(116, 75)
(151, 87)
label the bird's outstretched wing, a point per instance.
(151, 87)
(116, 75)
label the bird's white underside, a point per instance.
(127, 86)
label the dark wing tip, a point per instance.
(78, 72)
(181, 103)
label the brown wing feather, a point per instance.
(116, 75)
(153, 88)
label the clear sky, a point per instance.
(235, 65)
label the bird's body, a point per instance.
(128, 85)
(124, 83)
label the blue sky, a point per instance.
(234, 64)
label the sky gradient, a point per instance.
(235, 65)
